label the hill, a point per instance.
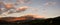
(29, 20)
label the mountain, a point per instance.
(11, 19)
(29, 20)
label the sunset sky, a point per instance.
(46, 8)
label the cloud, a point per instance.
(16, 10)
(23, 1)
(8, 5)
(2, 4)
(35, 15)
(23, 8)
(50, 3)
(4, 14)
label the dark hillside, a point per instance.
(27, 20)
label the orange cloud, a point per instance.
(8, 5)
(23, 1)
(23, 8)
(35, 15)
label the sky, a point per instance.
(45, 8)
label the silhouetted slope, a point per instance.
(53, 21)
(29, 21)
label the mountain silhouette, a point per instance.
(29, 20)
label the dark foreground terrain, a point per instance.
(29, 21)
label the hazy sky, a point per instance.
(46, 8)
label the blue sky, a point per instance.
(46, 8)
